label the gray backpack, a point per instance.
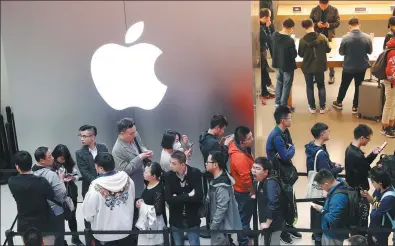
(378, 67)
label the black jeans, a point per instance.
(57, 223)
(265, 78)
(318, 78)
(347, 77)
(315, 221)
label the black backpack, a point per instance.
(379, 66)
(388, 162)
(355, 212)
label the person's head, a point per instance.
(363, 134)
(244, 137)
(61, 155)
(218, 123)
(171, 140)
(353, 23)
(307, 24)
(325, 179)
(153, 172)
(356, 240)
(215, 162)
(323, 4)
(283, 116)
(43, 156)
(178, 161)
(288, 25)
(33, 237)
(261, 168)
(87, 134)
(23, 161)
(380, 177)
(104, 163)
(391, 23)
(265, 15)
(127, 129)
(320, 131)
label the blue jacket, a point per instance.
(323, 159)
(282, 145)
(380, 209)
(335, 212)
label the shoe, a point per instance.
(331, 80)
(312, 110)
(271, 88)
(285, 238)
(354, 110)
(388, 132)
(76, 241)
(268, 96)
(263, 101)
(317, 243)
(295, 234)
(292, 109)
(271, 70)
(323, 110)
(337, 105)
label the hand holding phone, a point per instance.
(383, 146)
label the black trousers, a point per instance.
(73, 220)
(347, 77)
(315, 221)
(265, 78)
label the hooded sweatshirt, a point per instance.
(390, 69)
(323, 159)
(313, 48)
(209, 142)
(224, 212)
(109, 205)
(284, 52)
(241, 162)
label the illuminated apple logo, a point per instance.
(125, 76)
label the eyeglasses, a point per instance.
(210, 162)
(368, 138)
(84, 136)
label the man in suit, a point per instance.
(85, 163)
(130, 155)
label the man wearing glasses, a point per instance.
(85, 163)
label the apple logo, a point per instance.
(125, 76)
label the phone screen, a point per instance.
(383, 146)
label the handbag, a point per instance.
(313, 189)
(205, 206)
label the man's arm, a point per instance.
(323, 162)
(336, 23)
(336, 209)
(327, 47)
(370, 158)
(90, 205)
(197, 186)
(301, 48)
(386, 205)
(370, 49)
(342, 46)
(216, 146)
(294, 52)
(83, 167)
(58, 187)
(273, 197)
(243, 170)
(386, 39)
(285, 152)
(47, 189)
(129, 167)
(315, 21)
(169, 196)
(222, 198)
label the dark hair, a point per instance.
(105, 160)
(24, 160)
(90, 128)
(265, 163)
(218, 120)
(358, 240)
(391, 20)
(218, 157)
(318, 128)
(307, 23)
(324, 176)
(241, 133)
(32, 237)
(281, 113)
(125, 124)
(354, 21)
(156, 169)
(62, 150)
(168, 139)
(288, 23)
(324, 1)
(40, 153)
(180, 156)
(380, 175)
(362, 130)
(265, 12)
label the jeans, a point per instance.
(346, 81)
(73, 220)
(318, 78)
(193, 237)
(283, 86)
(389, 106)
(327, 241)
(219, 239)
(331, 72)
(245, 205)
(265, 78)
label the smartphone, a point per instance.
(191, 146)
(231, 135)
(383, 146)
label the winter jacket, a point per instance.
(241, 162)
(109, 205)
(58, 186)
(265, 34)
(313, 48)
(335, 212)
(323, 159)
(330, 15)
(282, 145)
(224, 211)
(284, 52)
(390, 69)
(208, 143)
(380, 209)
(387, 38)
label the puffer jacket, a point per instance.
(390, 68)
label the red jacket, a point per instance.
(390, 69)
(240, 168)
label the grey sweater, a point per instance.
(355, 47)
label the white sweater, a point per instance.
(109, 205)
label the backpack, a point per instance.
(355, 213)
(387, 215)
(379, 66)
(388, 163)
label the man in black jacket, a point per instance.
(31, 194)
(184, 195)
(284, 54)
(85, 163)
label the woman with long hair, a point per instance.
(64, 163)
(172, 141)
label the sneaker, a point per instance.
(337, 105)
(331, 80)
(295, 234)
(354, 110)
(271, 88)
(263, 101)
(312, 110)
(285, 238)
(388, 132)
(76, 241)
(323, 110)
(268, 96)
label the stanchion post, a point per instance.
(166, 236)
(255, 221)
(267, 237)
(10, 237)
